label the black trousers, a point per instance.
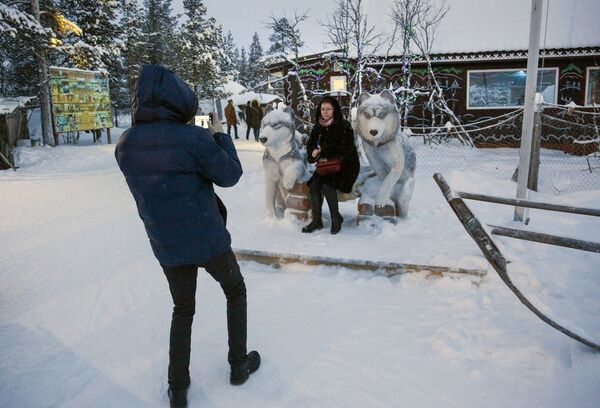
(319, 187)
(229, 130)
(182, 283)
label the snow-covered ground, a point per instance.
(85, 309)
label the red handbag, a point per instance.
(328, 166)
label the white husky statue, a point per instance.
(284, 164)
(390, 155)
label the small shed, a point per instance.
(14, 117)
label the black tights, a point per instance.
(319, 187)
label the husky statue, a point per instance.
(284, 164)
(391, 157)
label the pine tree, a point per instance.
(159, 30)
(199, 51)
(286, 37)
(257, 72)
(97, 47)
(227, 65)
(132, 56)
(20, 35)
(242, 67)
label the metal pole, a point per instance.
(530, 87)
(47, 133)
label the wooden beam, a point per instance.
(389, 268)
(530, 204)
(546, 238)
(495, 257)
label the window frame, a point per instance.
(587, 83)
(468, 102)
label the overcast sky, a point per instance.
(470, 25)
(245, 17)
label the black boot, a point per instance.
(330, 193)
(336, 223)
(178, 397)
(315, 224)
(240, 372)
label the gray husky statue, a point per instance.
(284, 165)
(390, 154)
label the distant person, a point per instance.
(231, 118)
(256, 118)
(248, 114)
(171, 168)
(332, 137)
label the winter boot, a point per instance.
(178, 397)
(336, 223)
(315, 224)
(241, 372)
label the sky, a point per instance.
(243, 18)
(470, 25)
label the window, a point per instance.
(274, 80)
(501, 89)
(592, 89)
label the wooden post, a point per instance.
(546, 239)
(530, 204)
(108, 136)
(534, 168)
(390, 268)
(530, 87)
(495, 257)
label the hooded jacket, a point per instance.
(170, 168)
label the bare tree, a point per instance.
(348, 28)
(417, 21)
(286, 42)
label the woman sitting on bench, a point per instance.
(331, 146)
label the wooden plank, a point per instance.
(390, 268)
(530, 204)
(495, 257)
(546, 238)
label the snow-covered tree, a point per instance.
(348, 29)
(134, 42)
(257, 72)
(285, 36)
(98, 46)
(417, 21)
(242, 68)
(200, 50)
(159, 29)
(227, 65)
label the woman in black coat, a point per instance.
(331, 137)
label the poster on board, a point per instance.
(80, 100)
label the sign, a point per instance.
(337, 85)
(80, 100)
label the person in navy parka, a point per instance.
(170, 168)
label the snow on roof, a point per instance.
(9, 104)
(240, 95)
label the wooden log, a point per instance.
(546, 238)
(530, 204)
(495, 257)
(297, 202)
(389, 268)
